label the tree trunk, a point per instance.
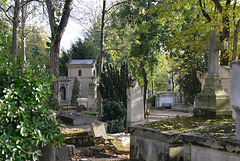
(57, 33)
(144, 74)
(15, 22)
(23, 36)
(152, 87)
(101, 56)
(225, 37)
(54, 70)
(235, 41)
(172, 83)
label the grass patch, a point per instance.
(90, 112)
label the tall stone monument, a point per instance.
(235, 93)
(135, 109)
(213, 102)
(92, 94)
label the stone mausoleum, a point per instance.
(86, 70)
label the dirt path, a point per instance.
(156, 115)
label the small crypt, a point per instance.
(85, 70)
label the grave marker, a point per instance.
(98, 129)
(213, 102)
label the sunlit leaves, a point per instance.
(26, 119)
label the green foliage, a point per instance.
(113, 87)
(114, 82)
(90, 112)
(189, 83)
(151, 100)
(35, 47)
(190, 86)
(115, 114)
(63, 60)
(26, 119)
(87, 49)
(5, 38)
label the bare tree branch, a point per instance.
(218, 5)
(205, 14)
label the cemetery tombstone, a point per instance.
(135, 108)
(235, 93)
(213, 102)
(92, 94)
(169, 86)
(98, 129)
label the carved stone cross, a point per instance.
(213, 47)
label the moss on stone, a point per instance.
(119, 147)
(185, 123)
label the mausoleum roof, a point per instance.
(82, 61)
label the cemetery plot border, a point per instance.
(150, 144)
(214, 141)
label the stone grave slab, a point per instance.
(98, 129)
(213, 143)
(62, 153)
(78, 120)
(78, 137)
(151, 144)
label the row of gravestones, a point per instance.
(212, 101)
(135, 115)
(150, 144)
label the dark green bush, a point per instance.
(151, 100)
(115, 114)
(26, 121)
(114, 83)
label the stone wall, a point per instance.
(147, 144)
(224, 74)
(203, 148)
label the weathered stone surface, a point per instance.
(199, 148)
(215, 140)
(78, 120)
(62, 153)
(224, 75)
(80, 141)
(235, 93)
(92, 94)
(150, 133)
(98, 129)
(203, 153)
(76, 91)
(148, 144)
(48, 153)
(71, 150)
(82, 101)
(213, 101)
(108, 159)
(135, 108)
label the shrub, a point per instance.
(115, 114)
(26, 119)
(151, 100)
